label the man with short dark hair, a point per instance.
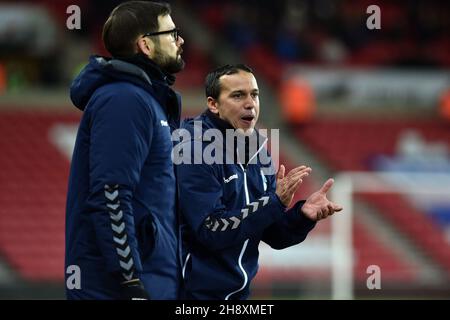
(121, 233)
(229, 207)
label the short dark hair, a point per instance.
(129, 20)
(212, 81)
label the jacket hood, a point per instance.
(101, 71)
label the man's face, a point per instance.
(238, 102)
(167, 50)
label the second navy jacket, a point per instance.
(227, 210)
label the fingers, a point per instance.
(321, 214)
(298, 170)
(293, 188)
(287, 187)
(288, 184)
(324, 212)
(334, 207)
(292, 179)
(280, 174)
(327, 186)
(294, 182)
(299, 175)
(330, 209)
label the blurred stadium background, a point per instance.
(346, 99)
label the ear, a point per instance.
(146, 46)
(212, 105)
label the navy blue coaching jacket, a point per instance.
(227, 209)
(121, 220)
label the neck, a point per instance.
(153, 70)
(242, 146)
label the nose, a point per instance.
(250, 103)
(180, 40)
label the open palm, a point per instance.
(317, 206)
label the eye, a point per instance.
(237, 95)
(255, 95)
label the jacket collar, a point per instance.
(218, 123)
(152, 70)
(160, 82)
(240, 149)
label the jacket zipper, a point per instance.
(185, 264)
(244, 247)
(247, 197)
(242, 269)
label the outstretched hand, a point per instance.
(317, 206)
(288, 185)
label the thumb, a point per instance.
(280, 174)
(327, 185)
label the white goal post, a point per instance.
(349, 183)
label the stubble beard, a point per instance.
(167, 63)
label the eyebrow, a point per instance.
(243, 91)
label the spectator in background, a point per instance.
(120, 231)
(227, 209)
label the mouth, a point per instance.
(247, 119)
